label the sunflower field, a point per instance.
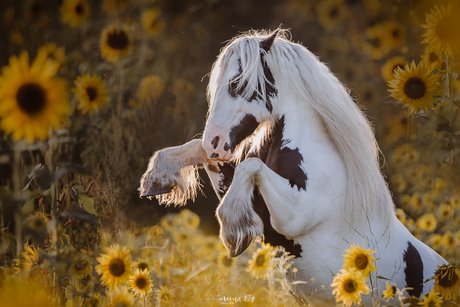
(89, 89)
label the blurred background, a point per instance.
(155, 71)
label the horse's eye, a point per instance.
(232, 88)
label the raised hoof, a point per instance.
(244, 245)
(156, 191)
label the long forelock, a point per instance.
(247, 48)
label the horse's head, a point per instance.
(240, 91)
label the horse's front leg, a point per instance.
(172, 174)
(239, 223)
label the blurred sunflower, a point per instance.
(398, 183)
(140, 283)
(431, 59)
(32, 100)
(150, 88)
(360, 259)
(394, 34)
(120, 296)
(114, 6)
(81, 266)
(331, 13)
(115, 43)
(225, 262)
(427, 222)
(84, 283)
(375, 45)
(114, 266)
(152, 22)
(415, 86)
(164, 294)
(444, 211)
(74, 12)
(443, 29)
(401, 215)
(391, 65)
(30, 258)
(390, 291)
(262, 261)
(90, 93)
(431, 300)
(143, 264)
(189, 219)
(448, 240)
(53, 52)
(447, 281)
(348, 286)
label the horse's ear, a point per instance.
(267, 43)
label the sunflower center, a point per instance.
(92, 93)
(361, 261)
(141, 283)
(79, 9)
(433, 57)
(334, 12)
(376, 42)
(260, 260)
(81, 264)
(121, 304)
(448, 278)
(414, 88)
(431, 304)
(142, 266)
(31, 98)
(445, 29)
(227, 261)
(118, 40)
(395, 33)
(117, 267)
(350, 286)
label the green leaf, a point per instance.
(87, 203)
(28, 207)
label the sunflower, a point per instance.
(143, 264)
(84, 283)
(431, 300)
(164, 294)
(114, 266)
(375, 45)
(348, 286)
(225, 262)
(360, 259)
(415, 86)
(444, 212)
(443, 30)
(53, 52)
(150, 88)
(331, 13)
(390, 291)
(427, 222)
(30, 258)
(31, 100)
(447, 281)
(431, 59)
(391, 65)
(448, 240)
(394, 34)
(81, 266)
(262, 261)
(140, 283)
(90, 93)
(152, 22)
(115, 43)
(120, 296)
(74, 12)
(189, 219)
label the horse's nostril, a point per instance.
(214, 155)
(215, 142)
(226, 147)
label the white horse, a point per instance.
(311, 180)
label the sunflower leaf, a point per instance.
(28, 207)
(87, 203)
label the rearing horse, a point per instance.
(310, 179)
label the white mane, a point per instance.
(301, 71)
